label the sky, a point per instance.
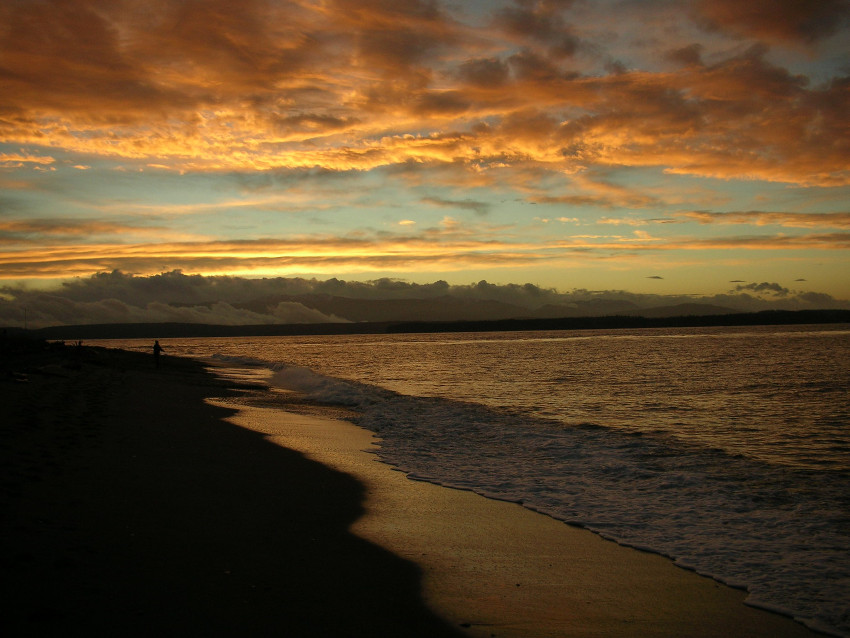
(682, 148)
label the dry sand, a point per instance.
(130, 506)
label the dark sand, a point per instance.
(130, 506)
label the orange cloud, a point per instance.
(250, 88)
(20, 159)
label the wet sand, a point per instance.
(498, 569)
(129, 505)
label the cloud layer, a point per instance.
(217, 86)
(427, 139)
(174, 297)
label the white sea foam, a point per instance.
(318, 387)
(728, 517)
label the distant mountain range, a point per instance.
(605, 307)
(655, 318)
(446, 308)
(451, 308)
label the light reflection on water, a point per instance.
(775, 394)
(780, 398)
(727, 449)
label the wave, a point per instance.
(767, 529)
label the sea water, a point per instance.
(726, 449)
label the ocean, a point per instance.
(725, 449)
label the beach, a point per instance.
(140, 500)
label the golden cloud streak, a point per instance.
(760, 218)
(17, 158)
(348, 255)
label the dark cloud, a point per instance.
(480, 208)
(395, 35)
(818, 299)
(45, 310)
(750, 75)
(765, 287)
(690, 55)
(118, 297)
(67, 55)
(229, 42)
(801, 21)
(530, 66)
(483, 72)
(442, 103)
(541, 21)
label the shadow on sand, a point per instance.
(165, 520)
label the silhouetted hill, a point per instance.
(449, 308)
(186, 330)
(686, 310)
(589, 308)
(608, 307)
(445, 308)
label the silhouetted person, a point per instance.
(156, 350)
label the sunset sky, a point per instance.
(688, 148)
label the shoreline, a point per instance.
(137, 500)
(495, 568)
